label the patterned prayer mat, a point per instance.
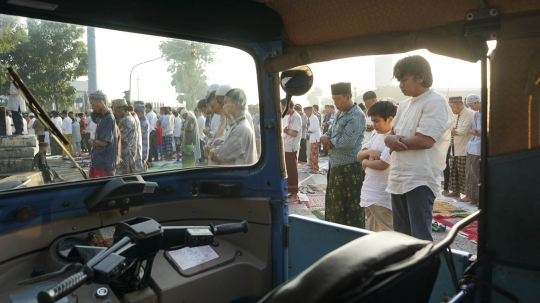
(444, 208)
(315, 201)
(318, 213)
(317, 187)
(470, 231)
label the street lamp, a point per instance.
(192, 50)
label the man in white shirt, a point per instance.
(314, 133)
(461, 135)
(292, 124)
(151, 118)
(167, 123)
(9, 121)
(369, 98)
(418, 146)
(16, 105)
(90, 125)
(67, 131)
(474, 151)
(200, 126)
(177, 134)
(55, 147)
(31, 131)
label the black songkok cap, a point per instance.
(369, 95)
(341, 88)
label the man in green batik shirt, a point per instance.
(343, 141)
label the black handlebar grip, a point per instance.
(230, 228)
(63, 288)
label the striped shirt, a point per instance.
(346, 134)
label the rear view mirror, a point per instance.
(295, 82)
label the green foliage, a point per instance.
(188, 69)
(52, 56)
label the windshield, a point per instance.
(124, 103)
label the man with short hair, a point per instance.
(104, 153)
(317, 114)
(67, 130)
(145, 133)
(200, 128)
(292, 126)
(461, 135)
(177, 134)
(89, 127)
(130, 161)
(474, 151)
(418, 145)
(55, 147)
(369, 98)
(151, 117)
(16, 105)
(343, 142)
(302, 154)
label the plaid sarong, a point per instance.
(473, 178)
(167, 145)
(457, 173)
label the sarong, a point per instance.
(343, 190)
(167, 145)
(292, 172)
(457, 174)
(188, 155)
(472, 172)
(69, 147)
(314, 156)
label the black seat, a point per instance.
(379, 267)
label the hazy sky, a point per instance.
(118, 52)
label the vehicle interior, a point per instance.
(40, 225)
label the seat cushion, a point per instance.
(346, 267)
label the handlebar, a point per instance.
(63, 288)
(229, 228)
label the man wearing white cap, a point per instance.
(31, 131)
(458, 144)
(211, 88)
(472, 170)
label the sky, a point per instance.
(117, 53)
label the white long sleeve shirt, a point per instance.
(66, 126)
(314, 131)
(151, 117)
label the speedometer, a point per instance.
(64, 247)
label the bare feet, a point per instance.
(292, 197)
(454, 194)
(466, 199)
(445, 192)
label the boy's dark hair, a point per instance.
(284, 103)
(201, 104)
(362, 106)
(211, 96)
(383, 109)
(416, 66)
(148, 105)
(316, 107)
(175, 113)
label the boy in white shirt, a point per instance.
(375, 158)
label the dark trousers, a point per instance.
(85, 139)
(201, 147)
(446, 171)
(153, 154)
(302, 157)
(18, 121)
(41, 138)
(412, 212)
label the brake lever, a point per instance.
(66, 268)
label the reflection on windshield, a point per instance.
(126, 103)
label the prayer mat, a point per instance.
(318, 213)
(470, 231)
(303, 197)
(317, 187)
(316, 200)
(444, 208)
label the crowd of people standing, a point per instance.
(386, 160)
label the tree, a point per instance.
(49, 60)
(12, 33)
(315, 96)
(188, 68)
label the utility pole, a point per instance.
(92, 65)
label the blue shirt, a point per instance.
(474, 145)
(347, 133)
(106, 157)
